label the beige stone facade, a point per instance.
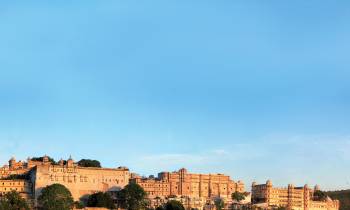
(192, 189)
(21, 167)
(14, 168)
(23, 187)
(296, 198)
(81, 181)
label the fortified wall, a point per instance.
(29, 178)
(81, 181)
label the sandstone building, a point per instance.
(193, 190)
(81, 181)
(23, 187)
(181, 183)
(296, 198)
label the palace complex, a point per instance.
(196, 189)
(297, 198)
(182, 183)
(29, 177)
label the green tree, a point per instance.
(320, 195)
(13, 201)
(238, 196)
(55, 197)
(89, 163)
(160, 208)
(174, 205)
(78, 205)
(343, 196)
(132, 197)
(219, 204)
(101, 199)
(42, 158)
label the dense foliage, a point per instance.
(320, 195)
(343, 196)
(219, 204)
(13, 201)
(89, 163)
(55, 197)
(78, 205)
(41, 159)
(160, 208)
(100, 199)
(174, 205)
(132, 197)
(238, 196)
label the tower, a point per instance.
(268, 191)
(46, 159)
(290, 195)
(306, 196)
(70, 162)
(12, 162)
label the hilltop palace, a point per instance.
(193, 190)
(291, 197)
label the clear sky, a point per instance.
(254, 89)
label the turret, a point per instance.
(70, 162)
(46, 159)
(183, 171)
(12, 162)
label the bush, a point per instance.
(42, 158)
(13, 201)
(89, 163)
(101, 199)
(55, 197)
(132, 197)
(174, 205)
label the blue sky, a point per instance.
(254, 89)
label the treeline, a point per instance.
(58, 197)
(343, 196)
(81, 163)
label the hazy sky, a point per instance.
(254, 89)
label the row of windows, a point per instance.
(71, 179)
(70, 170)
(11, 189)
(13, 183)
